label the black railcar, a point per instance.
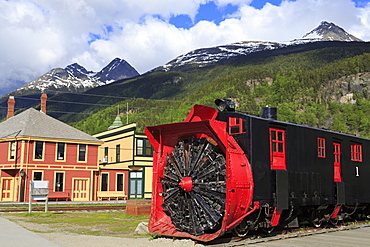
(316, 166)
(299, 174)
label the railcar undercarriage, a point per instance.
(317, 217)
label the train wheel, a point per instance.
(194, 186)
(268, 230)
(316, 218)
(265, 226)
(241, 230)
(334, 222)
(316, 223)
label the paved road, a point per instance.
(12, 235)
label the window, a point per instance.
(143, 147)
(82, 152)
(119, 182)
(148, 148)
(39, 148)
(12, 148)
(59, 181)
(321, 144)
(356, 152)
(236, 126)
(277, 149)
(104, 182)
(106, 154)
(37, 176)
(60, 151)
(140, 147)
(118, 153)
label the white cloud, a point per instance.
(38, 35)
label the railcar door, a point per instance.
(277, 149)
(339, 185)
(337, 163)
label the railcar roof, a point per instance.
(300, 125)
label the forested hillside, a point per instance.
(326, 85)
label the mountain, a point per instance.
(322, 84)
(206, 56)
(72, 79)
(331, 32)
(114, 71)
(75, 78)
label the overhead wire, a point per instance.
(103, 105)
(110, 96)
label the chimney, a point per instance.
(11, 103)
(43, 98)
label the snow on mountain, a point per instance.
(68, 79)
(330, 31)
(203, 56)
(215, 54)
(75, 78)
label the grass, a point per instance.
(109, 223)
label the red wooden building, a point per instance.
(35, 146)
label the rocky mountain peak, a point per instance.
(75, 78)
(76, 68)
(201, 57)
(330, 31)
(113, 71)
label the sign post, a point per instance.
(39, 190)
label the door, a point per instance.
(7, 189)
(277, 149)
(337, 163)
(80, 189)
(136, 185)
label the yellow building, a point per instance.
(125, 163)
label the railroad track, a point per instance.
(64, 208)
(228, 240)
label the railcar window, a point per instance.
(356, 152)
(236, 126)
(321, 147)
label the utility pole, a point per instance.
(127, 113)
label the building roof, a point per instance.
(117, 123)
(33, 123)
(116, 131)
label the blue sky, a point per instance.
(206, 12)
(211, 12)
(39, 35)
